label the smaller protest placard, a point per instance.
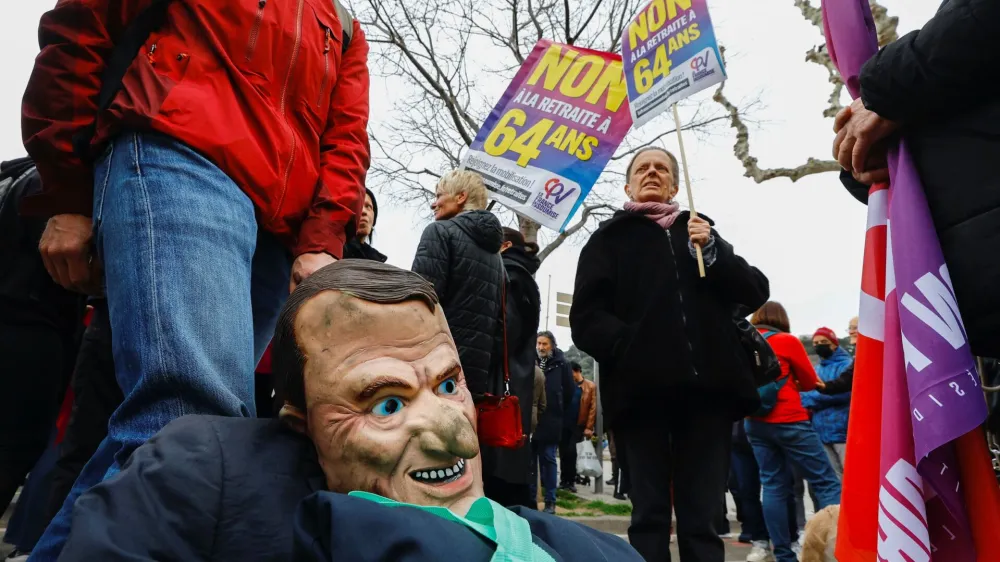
(670, 52)
(553, 131)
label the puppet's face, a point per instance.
(387, 403)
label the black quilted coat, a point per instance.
(461, 257)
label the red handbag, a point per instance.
(499, 418)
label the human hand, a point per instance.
(66, 252)
(857, 145)
(307, 264)
(699, 231)
(588, 433)
(820, 384)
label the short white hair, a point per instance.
(468, 182)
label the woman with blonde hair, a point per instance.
(459, 253)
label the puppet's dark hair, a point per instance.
(363, 279)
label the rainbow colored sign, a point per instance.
(553, 131)
(669, 52)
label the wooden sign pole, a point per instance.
(687, 184)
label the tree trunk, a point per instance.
(528, 228)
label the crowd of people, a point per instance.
(206, 356)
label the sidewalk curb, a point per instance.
(614, 524)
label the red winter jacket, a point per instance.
(260, 87)
(801, 375)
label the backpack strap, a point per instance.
(346, 23)
(125, 51)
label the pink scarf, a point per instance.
(663, 214)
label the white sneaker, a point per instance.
(761, 552)
(797, 548)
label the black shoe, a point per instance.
(620, 496)
(612, 482)
(570, 488)
(550, 508)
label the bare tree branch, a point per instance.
(441, 50)
(742, 151)
(585, 215)
(886, 30)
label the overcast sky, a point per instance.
(808, 237)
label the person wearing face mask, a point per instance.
(360, 247)
(674, 376)
(374, 456)
(830, 411)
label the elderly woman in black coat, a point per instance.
(674, 376)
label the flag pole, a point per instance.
(687, 184)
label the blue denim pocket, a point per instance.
(102, 174)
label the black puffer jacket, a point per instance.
(523, 311)
(664, 337)
(940, 83)
(461, 257)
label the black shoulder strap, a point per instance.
(126, 48)
(346, 22)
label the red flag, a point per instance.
(857, 531)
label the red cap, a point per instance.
(828, 334)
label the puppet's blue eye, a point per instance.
(388, 406)
(448, 387)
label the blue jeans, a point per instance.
(194, 292)
(544, 459)
(748, 487)
(774, 445)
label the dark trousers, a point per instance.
(751, 510)
(97, 396)
(508, 494)
(543, 465)
(567, 454)
(689, 453)
(32, 378)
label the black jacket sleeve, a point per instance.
(568, 388)
(841, 384)
(433, 258)
(953, 62)
(164, 505)
(857, 189)
(735, 279)
(595, 329)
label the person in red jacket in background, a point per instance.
(785, 433)
(228, 168)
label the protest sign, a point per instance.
(669, 52)
(545, 143)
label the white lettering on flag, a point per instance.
(904, 526)
(913, 356)
(945, 319)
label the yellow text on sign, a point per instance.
(576, 76)
(645, 76)
(507, 136)
(657, 14)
